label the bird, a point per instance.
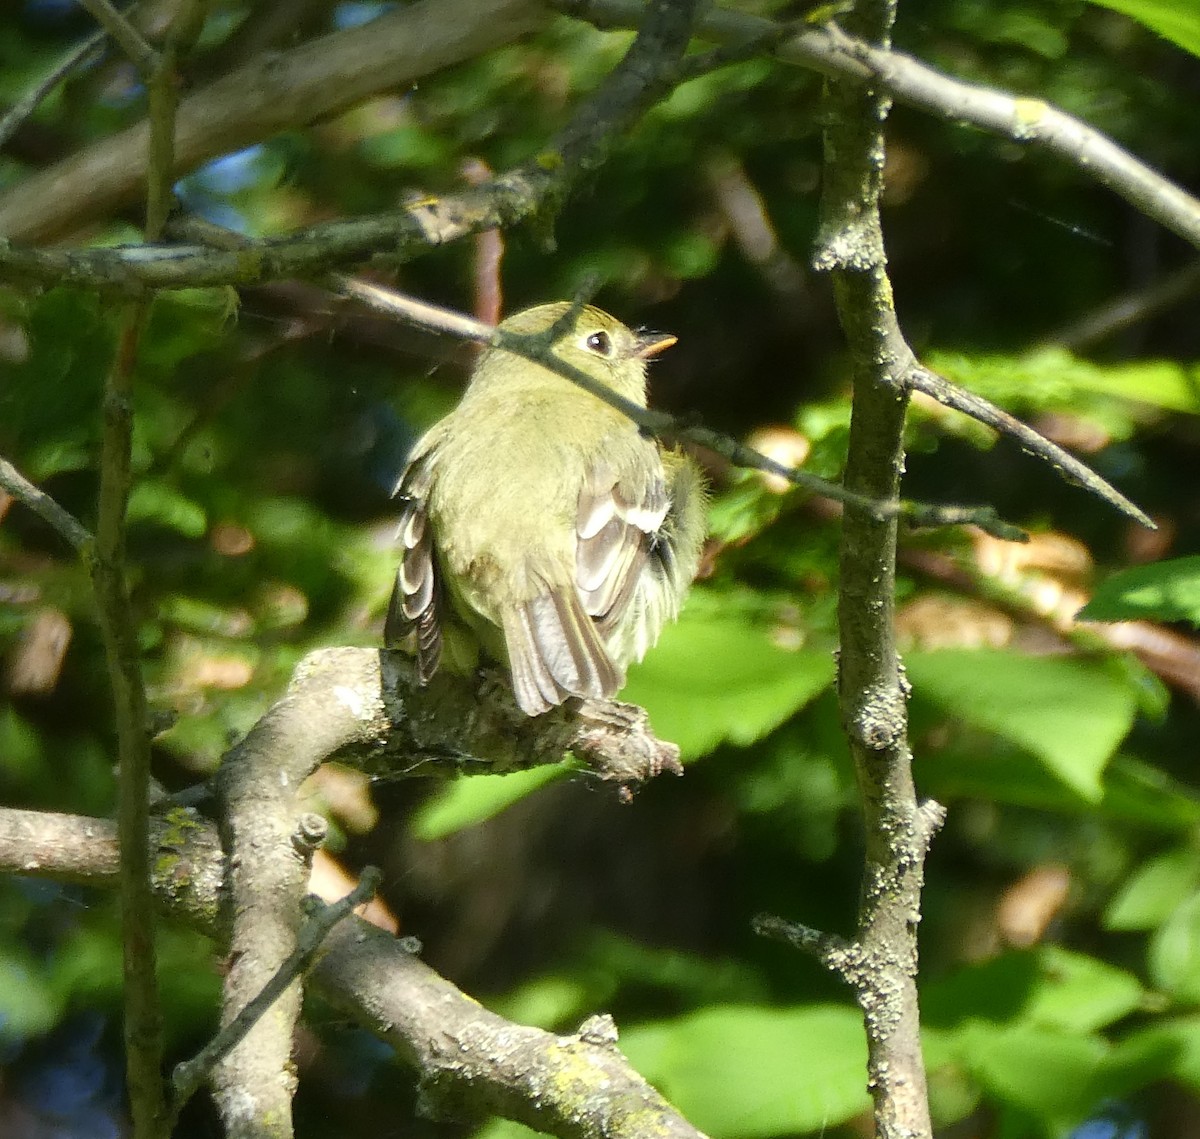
(540, 525)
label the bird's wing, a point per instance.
(630, 567)
(413, 620)
(554, 651)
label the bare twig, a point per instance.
(1073, 470)
(1132, 308)
(81, 55)
(143, 1015)
(837, 55)
(143, 1018)
(333, 72)
(489, 253)
(63, 521)
(189, 1075)
(660, 423)
(276, 91)
(144, 57)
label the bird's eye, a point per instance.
(600, 343)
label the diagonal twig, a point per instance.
(79, 56)
(189, 1075)
(1073, 470)
(661, 423)
(45, 507)
(131, 41)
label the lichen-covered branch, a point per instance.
(880, 964)
(363, 706)
(468, 1060)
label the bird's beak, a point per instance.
(652, 343)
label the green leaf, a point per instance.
(1181, 1036)
(27, 1004)
(1174, 958)
(1078, 993)
(1052, 377)
(1070, 714)
(716, 676)
(1050, 987)
(545, 1002)
(1163, 591)
(472, 799)
(1151, 895)
(1175, 20)
(742, 1071)
(153, 501)
(1044, 1071)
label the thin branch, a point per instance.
(62, 521)
(470, 1060)
(144, 57)
(1129, 309)
(189, 1075)
(143, 1017)
(489, 253)
(836, 55)
(79, 56)
(537, 347)
(1073, 470)
(143, 1014)
(333, 72)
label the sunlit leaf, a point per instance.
(717, 676)
(1162, 591)
(1174, 958)
(28, 1006)
(1045, 1071)
(1078, 993)
(1071, 714)
(1175, 20)
(743, 1071)
(154, 501)
(472, 799)
(1152, 894)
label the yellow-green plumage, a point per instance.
(541, 520)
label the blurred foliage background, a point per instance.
(1061, 942)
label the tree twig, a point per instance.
(144, 57)
(275, 91)
(837, 55)
(332, 72)
(537, 347)
(1128, 309)
(189, 1075)
(63, 521)
(1071, 469)
(80, 55)
(143, 1015)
